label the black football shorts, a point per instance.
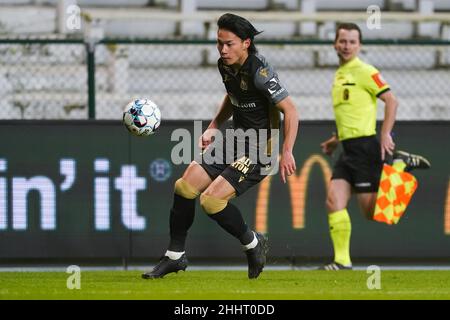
(240, 171)
(240, 175)
(360, 164)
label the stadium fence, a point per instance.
(71, 79)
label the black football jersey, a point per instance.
(254, 91)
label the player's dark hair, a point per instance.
(240, 27)
(348, 26)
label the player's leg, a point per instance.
(215, 202)
(338, 195)
(187, 189)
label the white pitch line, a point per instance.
(216, 268)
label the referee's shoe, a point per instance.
(412, 161)
(256, 257)
(334, 266)
(165, 266)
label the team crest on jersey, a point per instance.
(244, 85)
(263, 72)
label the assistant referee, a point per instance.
(356, 88)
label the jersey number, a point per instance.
(346, 94)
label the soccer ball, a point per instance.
(142, 117)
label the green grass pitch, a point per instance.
(227, 285)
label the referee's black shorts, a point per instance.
(360, 164)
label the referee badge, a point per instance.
(379, 80)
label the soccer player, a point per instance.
(255, 97)
(356, 87)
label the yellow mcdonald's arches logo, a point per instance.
(447, 212)
(298, 186)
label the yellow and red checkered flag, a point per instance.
(394, 193)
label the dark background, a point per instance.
(36, 148)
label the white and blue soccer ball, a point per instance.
(142, 117)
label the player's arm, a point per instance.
(224, 113)
(390, 111)
(287, 161)
(266, 80)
